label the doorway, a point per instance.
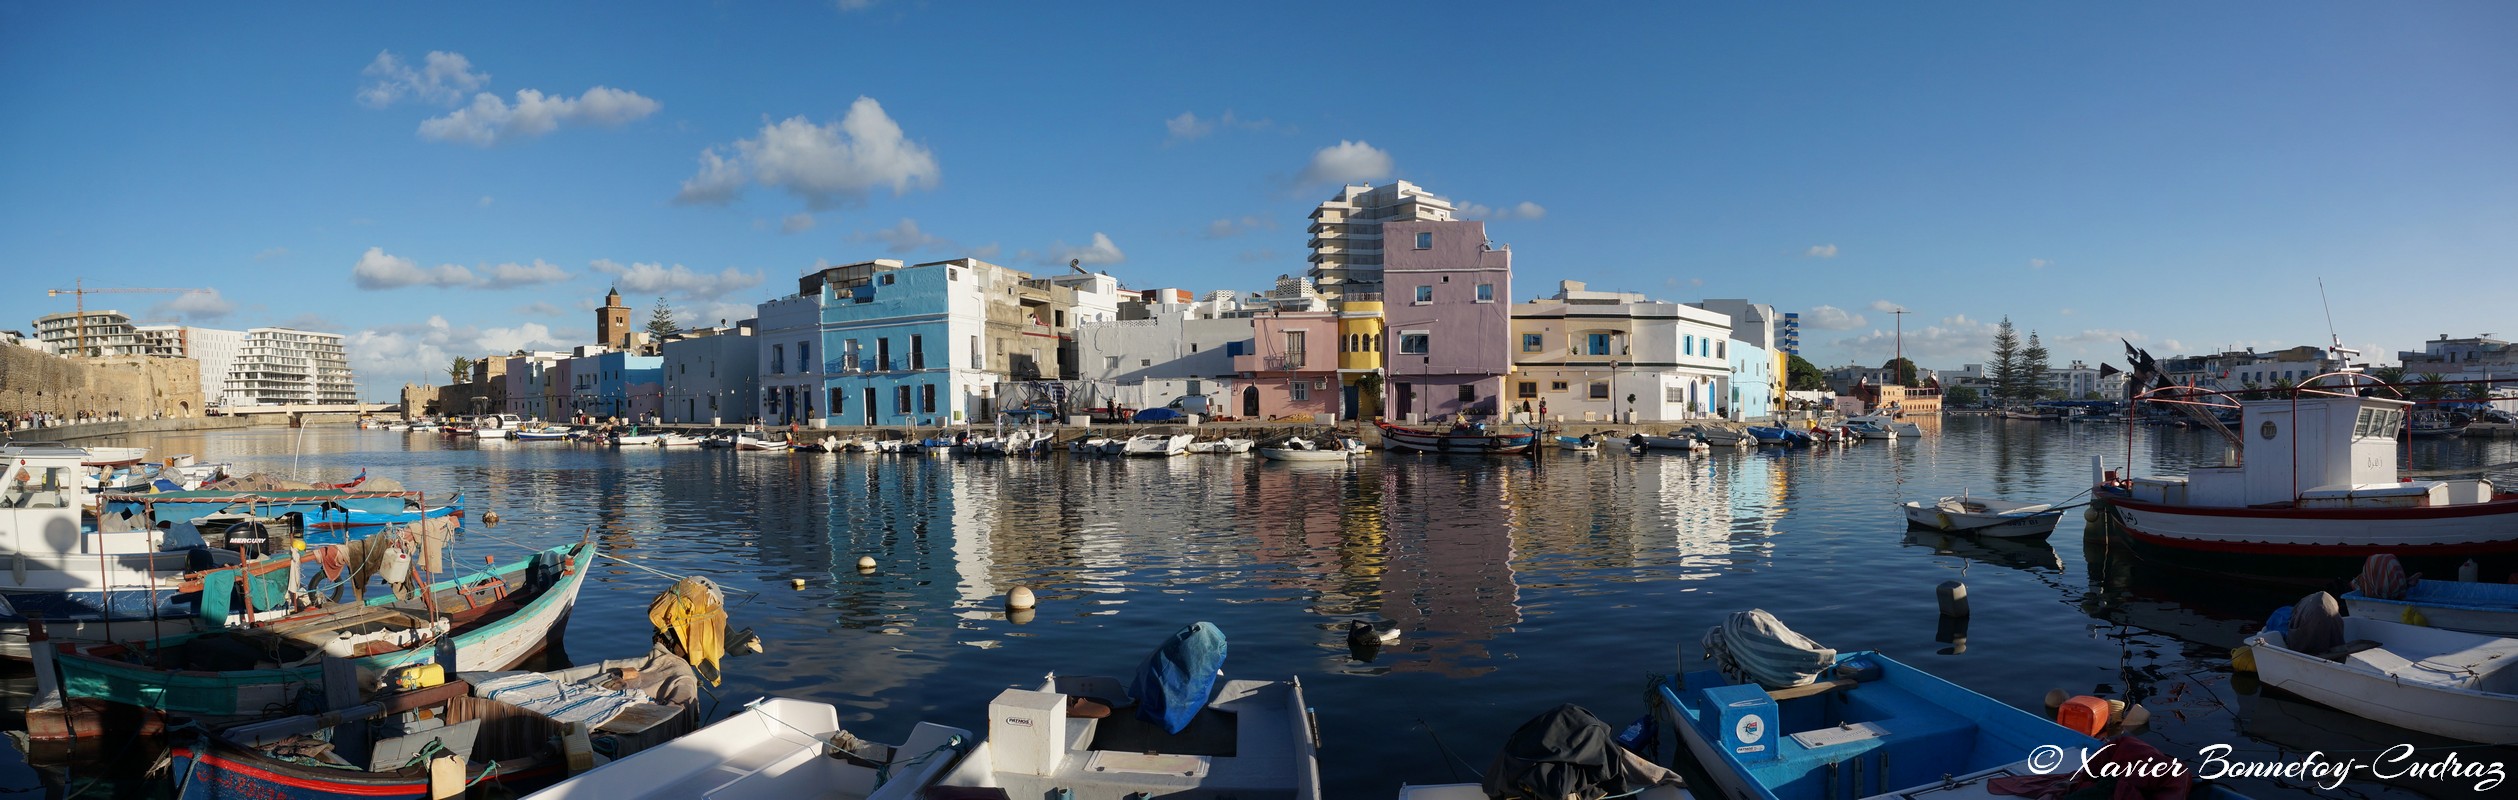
(1250, 402)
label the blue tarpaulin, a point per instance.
(1173, 684)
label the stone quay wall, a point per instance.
(137, 387)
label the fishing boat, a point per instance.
(1895, 425)
(494, 619)
(2432, 423)
(2450, 683)
(1780, 437)
(776, 748)
(1586, 443)
(543, 434)
(2485, 608)
(90, 579)
(1460, 439)
(1225, 446)
(1824, 724)
(1982, 517)
(332, 516)
(1176, 730)
(387, 748)
(1564, 752)
(636, 439)
(678, 440)
(1158, 445)
(756, 445)
(1092, 445)
(1866, 429)
(2314, 492)
(1718, 436)
(1302, 449)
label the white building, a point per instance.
(711, 374)
(1750, 322)
(1165, 346)
(215, 349)
(1346, 232)
(105, 333)
(1584, 353)
(285, 366)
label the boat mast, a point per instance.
(1897, 367)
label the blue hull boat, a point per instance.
(1786, 437)
(1870, 727)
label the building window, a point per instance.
(1110, 362)
(887, 280)
(1145, 362)
(1468, 393)
(1599, 345)
(900, 399)
(927, 399)
(1722, 348)
(1425, 294)
(778, 359)
(1526, 390)
(1691, 345)
(1414, 344)
(804, 357)
(1058, 318)
(1193, 347)
(1486, 293)
(1674, 394)
(917, 351)
(1302, 391)
(1425, 240)
(1599, 390)
(839, 402)
(1556, 386)
(1531, 342)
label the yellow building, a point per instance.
(1359, 355)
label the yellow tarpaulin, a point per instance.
(693, 613)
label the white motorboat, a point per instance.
(1682, 441)
(679, 440)
(107, 580)
(1092, 445)
(1225, 446)
(1158, 445)
(777, 748)
(1586, 443)
(1301, 449)
(1863, 429)
(1260, 748)
(1895, 425)
(2450, 683)
(638, 440)
(754, 445)
(1964, 514)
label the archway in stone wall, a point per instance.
(183, 409)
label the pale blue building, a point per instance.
(1751, 386)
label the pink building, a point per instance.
(1292, 369)
(1446, 299)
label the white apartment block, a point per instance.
(285, 366)
(215, 349)
(1346, 232)
(105, 333)
(1585, 352)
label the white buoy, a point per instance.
(865, 562)
(2469, 572)
(1953, 596)
(1020, 598)
(489, 517)
(2090, 515)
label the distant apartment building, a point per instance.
(1595, 356)
(1788, 333)
(712, 375)
(215, 349)
(2239, 370)
(286, 366)
(1347, 247)
(102, 333)
(2470, 358)
(1447, 293)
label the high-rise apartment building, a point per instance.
(214, 348)
(285, 366)
(1346, 241)
(105, 333)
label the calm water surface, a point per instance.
(1518, 585)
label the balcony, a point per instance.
(1273, 362)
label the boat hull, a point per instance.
(2002, 526)
(1298, 454)
(1425, 441)
(2319, 541)
(216, 774)
(2487, 608)
(2467, 714)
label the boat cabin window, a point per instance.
(36, 487)
(2378, 423)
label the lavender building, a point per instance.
(1446, 302)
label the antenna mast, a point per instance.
(2335, 346)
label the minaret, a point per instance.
(612, 322)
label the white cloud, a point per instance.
(511, 274)
(905, 238)
(489, 120)
(853, 5)
(798, 222)
(1831, 318)
(443, 79)
(2038, 263)
(1345, 163)
(1522, 210)
(272, 253)
(1101, 252)
(986, 251)
(715, 314)
(1187, 126)
(1884, 306)
(1821, 251)
(1954, 338)
(828, 166)
(419, 353)
(676, 281)
(486, 200)
(1228, 228)
(541, 309)
(2066, 312)
(377, 270)
(2174, 346)
(196, 306)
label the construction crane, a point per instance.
(79, 292)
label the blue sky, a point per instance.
(2171, 173)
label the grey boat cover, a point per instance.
(1567, 754)
(1754, 646)
(2316, 625)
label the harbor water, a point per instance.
(1517, 584)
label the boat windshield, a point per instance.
(36, 487)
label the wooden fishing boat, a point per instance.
(2450, 683)
(776, 748)
(1982, 517)
(1463, 439)
(2486, 608)
(494, 619)
(375, 751)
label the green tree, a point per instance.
(2392, 376)
(1803, 376)
(2032, 370)
(1961, 396)
(660, 324)
(2004, 369)
(1905, 371)
(2428, 387)
(460, 371)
